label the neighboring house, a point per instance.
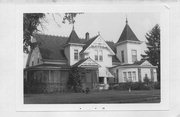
(105, 62)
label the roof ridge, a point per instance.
(50, 35)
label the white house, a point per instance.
(105, 62)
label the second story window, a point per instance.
(101, 55)
(122, 55)
(96, 55)
(32, 61)
(134, 56)
(75, 54)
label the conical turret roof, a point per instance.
(127, 34)
(73, 38)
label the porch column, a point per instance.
(139, 75)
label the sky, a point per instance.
(109, 25)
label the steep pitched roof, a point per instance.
(79, 62)
(73, 38)
(113, 47)
(87, 43)
(127, 34)
(51, 47)
(85, 59)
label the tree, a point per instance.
(75, 79)
(30, 23)
(153, 45)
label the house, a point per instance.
(104, 62)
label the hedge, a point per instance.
(135, 86)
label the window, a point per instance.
(32, 62)
(125, 76)
(134, 56)
(134, 75)
(129, 76)
(101, 80)
(122, 55)
(38, 59)
(101, 55)
(96, 55)
(75, 54)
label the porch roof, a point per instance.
(47, 67)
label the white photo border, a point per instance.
(94, 8)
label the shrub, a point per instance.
(134, 86)
(74, 83)
(157, 85)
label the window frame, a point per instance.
(125, 76)
(100, 54)
(96, 58)
(134, 75)
(76, 56)
(134, 56)
(129, 76)
(122, 56)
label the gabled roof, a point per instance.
(51, 47)
(83, 60)
(127, 34)
(137, 64)
(88, 43)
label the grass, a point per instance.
(110, 96)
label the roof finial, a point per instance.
(126, 20)
(98, 32)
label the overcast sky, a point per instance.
(110, 25)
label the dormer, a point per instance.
(128, 46)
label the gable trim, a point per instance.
(105, 43)
(91, 60)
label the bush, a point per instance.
(135, 86)
(157, 85)
(74, 82)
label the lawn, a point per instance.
(109, 96)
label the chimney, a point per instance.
(87, 36)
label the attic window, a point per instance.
(75, 54)
(96, 55)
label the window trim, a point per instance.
(129, 76)
(125, 76)
(96, 58)
(132, 55)
(134, 75)
(122, 56)
(100, 55)
(76, 54)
